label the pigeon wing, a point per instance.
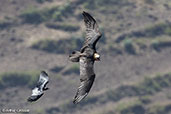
(43, 80)
(36, 94)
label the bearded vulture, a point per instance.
(86, 57)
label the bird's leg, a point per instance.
(74, 57)
(83, 55)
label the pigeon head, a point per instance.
(96, 57)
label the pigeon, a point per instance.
(86, 57)
(38, 91)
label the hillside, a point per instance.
(133, 76)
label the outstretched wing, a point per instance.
(92, 30)
(43, 80)
(87, 77)
(37, 92)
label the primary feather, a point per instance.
(92, 31)
(86, 57)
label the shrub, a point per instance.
(160, 109)
(168, 30)
(42, 1)
(56, 69)
(63, 26)
(150, 32)
(35, 16)
(158, 29)
(145, 99)
(113, 49)
(4, 24)
(129, 47)
(135, 107)
(158, 45)
(150, 85)
(103, 3)
(61, 46)
(12, 79)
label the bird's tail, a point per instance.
(74, 56)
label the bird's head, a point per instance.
(96, 57)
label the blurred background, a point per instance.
(133, 76)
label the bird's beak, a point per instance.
(97, 57)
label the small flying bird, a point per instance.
(38, 91)
(86, 57)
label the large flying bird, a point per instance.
(38, 91)
(86, 57)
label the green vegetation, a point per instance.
(103, 3)
(152, 85)
(61, 46)
(4, 24)
(75, 68)
(40, 111)
(158, 45)
(145, 99)
(18, 79)
(56, 69)
(129, 47)
(156, 37)
(168, 30)
(36, 16)
(160, 109)
(135, 107)
(114, 49)
(63, 26)
(143, 90)
(158, 29)
(152, 31)
(42, 1)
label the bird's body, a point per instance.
(86, 57)
(87, 77)
(38, 91)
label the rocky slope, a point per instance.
(134, 71)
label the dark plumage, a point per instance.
(38, 91)
(86, 57)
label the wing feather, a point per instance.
(37, 92)
(92, 30)
(87, 77)
(43, 80)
